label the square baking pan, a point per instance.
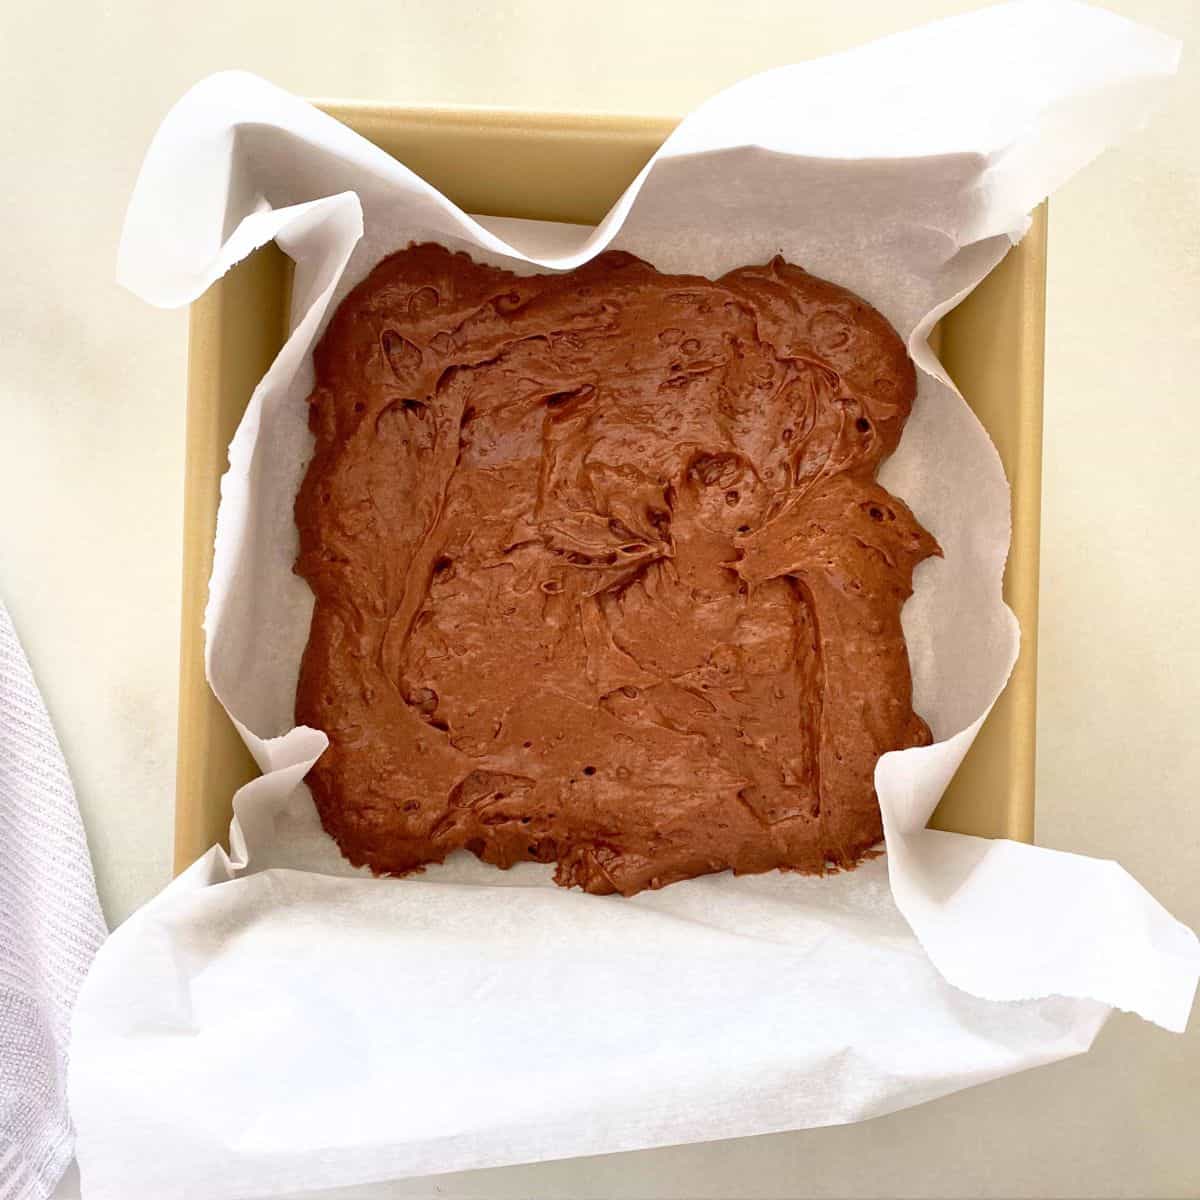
(567, 167)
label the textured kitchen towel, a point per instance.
(50, 926)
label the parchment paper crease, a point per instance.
(275, 1020)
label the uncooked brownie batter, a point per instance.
(603, 576)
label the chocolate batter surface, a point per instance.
(603, 576)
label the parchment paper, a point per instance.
(275, 1020)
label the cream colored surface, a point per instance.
(91, 387)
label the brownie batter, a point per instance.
(603, 576)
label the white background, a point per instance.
(91, 460)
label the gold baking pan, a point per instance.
(562, 167)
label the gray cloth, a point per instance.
(50, 927)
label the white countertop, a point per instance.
(91, 461)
